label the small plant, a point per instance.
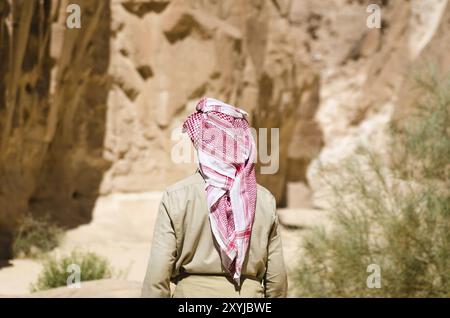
(35, 236)
(396, 216)
(56, 270)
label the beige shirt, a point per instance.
(184, 251)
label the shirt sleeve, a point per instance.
(162, 255)
(275, 279)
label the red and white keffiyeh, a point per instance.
(226, 152)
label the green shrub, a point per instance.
(35, 236)
(423, 146)
(56, 270)
(396, 216)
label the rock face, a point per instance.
(53, 93)
(97, 110)
(166, 56)
(433, 49)
(360, 97)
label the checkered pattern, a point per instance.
(226, 152)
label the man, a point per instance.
(217, 232)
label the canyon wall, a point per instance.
(97, 110)
(53, 90)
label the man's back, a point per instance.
(184, 250)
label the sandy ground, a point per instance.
(121, 230)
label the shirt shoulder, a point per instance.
(266, 203)
(192, 180)
(264, 195)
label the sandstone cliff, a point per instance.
(93, 111)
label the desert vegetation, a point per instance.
(55, 272)
(35, 237)
(394, 212)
